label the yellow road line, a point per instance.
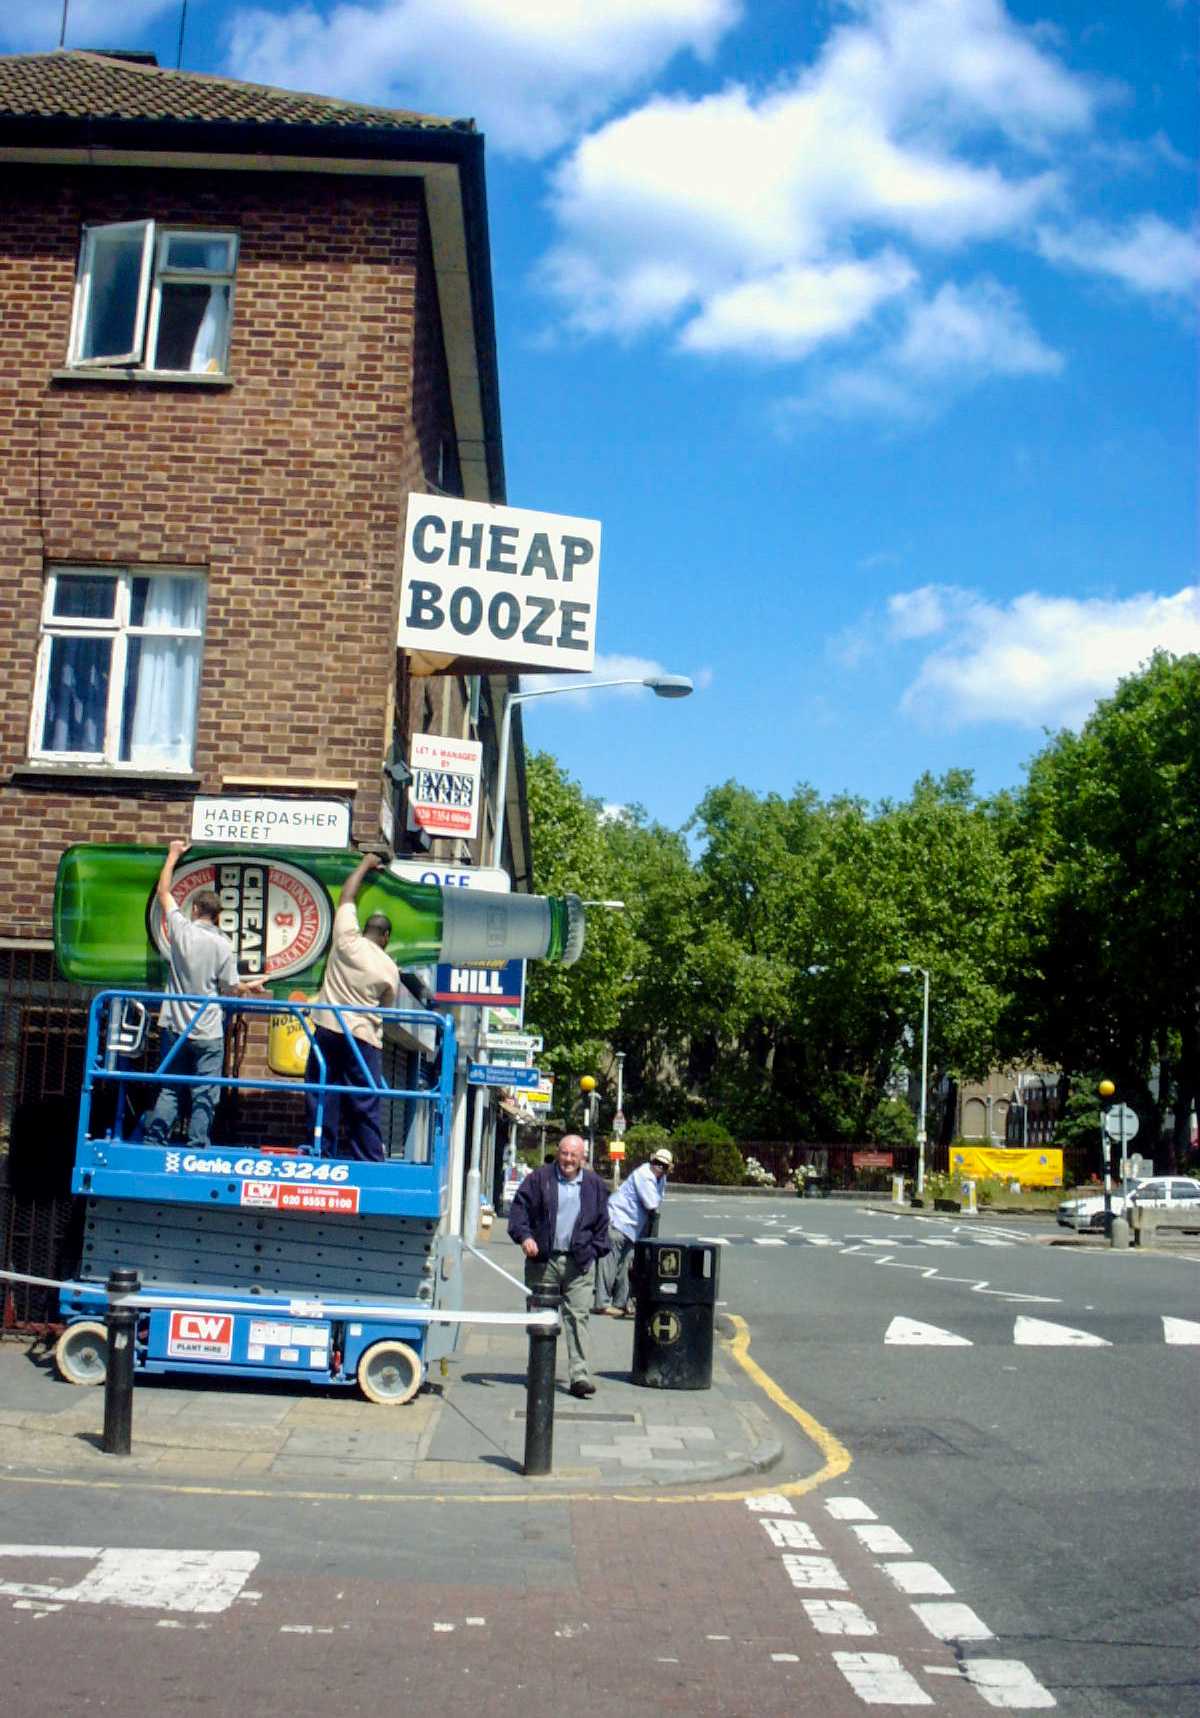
(837, 1460)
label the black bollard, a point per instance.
(121, 1324)
(539, 1386)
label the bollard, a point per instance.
(1120, 1235)
(121, 1323)
(539, 1387)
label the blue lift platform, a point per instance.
(271, 1260)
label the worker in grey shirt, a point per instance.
(201, 962)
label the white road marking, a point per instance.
(718, 1637)
(879, 1679)
(1006, 1682)
(882, 1541)
(716, 1240)
(814, 1573)
(912, 1333)
(785, 1658)
(475, 1622)
(768, 1241)
(443, 1628)
(1039, 1333)
(791, 1535)
(205, 1581)
(770, 1503)
(849, 1509)
(1180, 1330)
(1008, 1294)
(952, 1622)
(916, 1579)
(838, 1616)
(992, 1241)
(939, 1241)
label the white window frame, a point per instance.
(154, 273)
(119, 628)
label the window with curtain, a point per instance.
(118, 673)
(153, 298)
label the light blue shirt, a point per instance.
(634, 1202)
(570, 1194)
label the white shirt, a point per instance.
(635, 1201)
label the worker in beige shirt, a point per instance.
(361, 976)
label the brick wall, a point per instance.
(288, 488)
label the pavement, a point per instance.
(462, 1434)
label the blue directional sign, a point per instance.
(485, 1074)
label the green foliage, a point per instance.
(753, 979)
(1106, 840)
(642, 1141)
(706, 1155)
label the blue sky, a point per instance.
(866, 327)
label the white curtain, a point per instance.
(168, 677)
(208, 352)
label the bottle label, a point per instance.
(277, 916)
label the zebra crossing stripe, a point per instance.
(952, 1622)
(1007, 1683)
(880, 1679)
(838, 1616)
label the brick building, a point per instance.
(239, 326)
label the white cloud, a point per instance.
(786, 314)
(916, 614)
(1035, 661)
(962, 335)
(772, 221)
(980, 328)
(1147, 255)
(534, 72)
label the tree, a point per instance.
(1107, 837)
(576, 1008)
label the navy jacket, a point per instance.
(535, 1211)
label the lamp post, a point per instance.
(587, 1086)
(1107, 1091)
(908, 967)
(662, 685)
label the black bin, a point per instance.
(675, 1286)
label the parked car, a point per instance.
(1159, 1192)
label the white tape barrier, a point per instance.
(298, 1308)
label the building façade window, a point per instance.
(153, 298)
(118, 671)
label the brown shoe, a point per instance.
(613, 1311)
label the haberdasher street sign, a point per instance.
(499, 585)
(264, 821)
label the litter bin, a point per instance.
(675, 1286)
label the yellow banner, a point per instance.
(1032, 1168)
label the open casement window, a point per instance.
(153, 298)
(118, 670)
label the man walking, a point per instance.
(630, 1213)
(359, 974)
(559, 1219)
(200, 962)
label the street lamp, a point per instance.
(907, 966)
(662, 685)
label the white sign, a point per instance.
(1121, 1122)
(444, 793)
(544, 1094)
(500, 584)
(514, 1043)
(491, 877)
(258, 822)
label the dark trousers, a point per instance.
(351, 1121)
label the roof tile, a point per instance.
(69, 83)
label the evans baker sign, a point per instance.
(499, 584)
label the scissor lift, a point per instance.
(269, 1259)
